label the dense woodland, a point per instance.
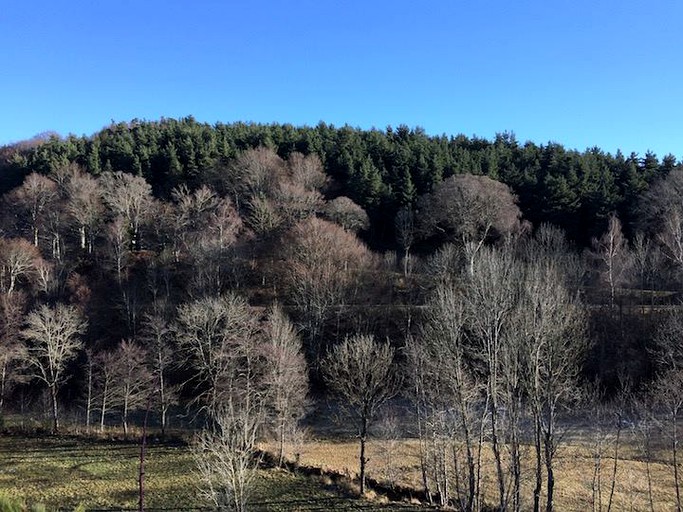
(244, 271)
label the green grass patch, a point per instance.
(65, 472)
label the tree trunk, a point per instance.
(550, 471)
(539, 460)
(363, 460)
(674, 453)
(614, 466)
(104, 406)
(495, 446)
(88, 404)
(162, 398)
(125, 417)
(3, 380)
(55, 417)
(281, 449)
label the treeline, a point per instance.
(381, 171)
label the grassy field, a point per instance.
(68, 471)
(63, 472)
(398, 462)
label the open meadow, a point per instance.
(62, 472)
(397, 462)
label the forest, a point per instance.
(242, 275)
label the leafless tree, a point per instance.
(469, 210)
(157, 338)
(131, 380)
(85, 207)
(255, 172)
(613, 257)
(669, 388)
(286, 376)
(89, 386)
(130, 198)
(52, 337)
(12, 351)
(347, 214)
(217, 337)
(647, 259)
(306, 171)
(205, 229)
(661, 209)
(449, 395)
(295, 203)
(550, 243)
(361, 373)
(323, 265)
(554, 324)
(18, 260)
(225, 456)
(492, 294)
(31, 200)
(263, 217)
(404, 225)
(105, 362)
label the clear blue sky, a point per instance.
(582, 73)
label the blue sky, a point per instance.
(582, 73)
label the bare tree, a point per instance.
(89, 386)
(52, 337)
(18, 260)
(85, 207)
(217, 336)
(361, 372)
(449, 394)
(306, 171)
(492, 294)
(669, 388)
(131, 381)
(263, 217)
(295, 203)
(157, 337)
(347, 214)
(286, 376)
(661, 209)
(225, 456)
(469, 210)
(323, 265)
(647, 259)
(104, 366)
(613, 256)
(205, 229)
(130, 198)
(12, 351)
(404, 226)
(31, 200)
(555, 344)
(255, 172)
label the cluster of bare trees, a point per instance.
(499, 349)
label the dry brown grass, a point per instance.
(398, 462)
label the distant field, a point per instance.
(398, 462)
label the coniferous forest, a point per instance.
(241, 275)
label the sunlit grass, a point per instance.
(63, 472)
(399, 463)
